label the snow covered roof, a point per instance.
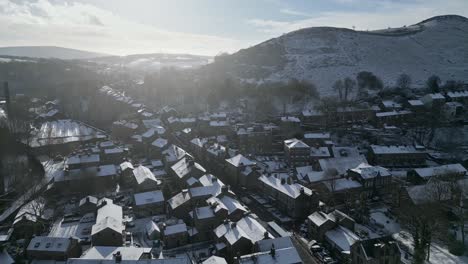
(282, 256)
(160, 143)
(108, 222)
(200, 142)
(247, 227)
(323, 135)
(295, 143)
(214, 260)
(82, 159)
(226, 202)
(203, 212)
(151, 227)
(174, 153)
(457, 94)
(63, 131)
(156, 163)
(416, 102)
(148, 197)
(210, 179)
(293, 190)
(342, 238)
(341, 164)
(320, 152)
(368, 171)
(389, 150)
(126, 165)
(185, 166)
(280, 242)
(441, 170)
(51, 244)
(318, 218)
(239, 160)
(175, 229)
(151, 123)
(142, 174)
(88, 199)
(342, 184)
(308, 175)
(391, 104)
(179, 199)
(393, 113)
(109, 210)
(218, 123)
(113, 150)
(435, 96)
(107, 253)
(292, 119)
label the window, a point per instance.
(48, 245)
(37, 245)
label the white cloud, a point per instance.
(293, 12)
(84, 26)
(388, 14)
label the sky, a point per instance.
(204, 27)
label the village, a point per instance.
(349, 185)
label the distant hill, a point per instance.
(48, 52)
(324, 54)
(155, 61)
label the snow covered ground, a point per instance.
(439, 254)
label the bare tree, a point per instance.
(404, 81)
(338, 86)
(349, 85)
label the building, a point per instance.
(239, 237)
(88, 205)
(375, 251)
(205, 220)
(144, 179)
(103, 253)
(433, 100)
(447, 172)
(108, 229)
(187, 168)
(316, 138)
(226, 206)
(53, 248)
(149, 203)
(234, 168)
(375, 180)
(321, 222)
(297, 152)
(397, 156)
(292, 198)
(175, 235)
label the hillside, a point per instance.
(324, 54)
(154, 61)
(48, 52)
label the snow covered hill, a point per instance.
(153, 62)
(323, 54)
(48, 52)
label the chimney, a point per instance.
(118, 257)
(273, 251)
(266, 235)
